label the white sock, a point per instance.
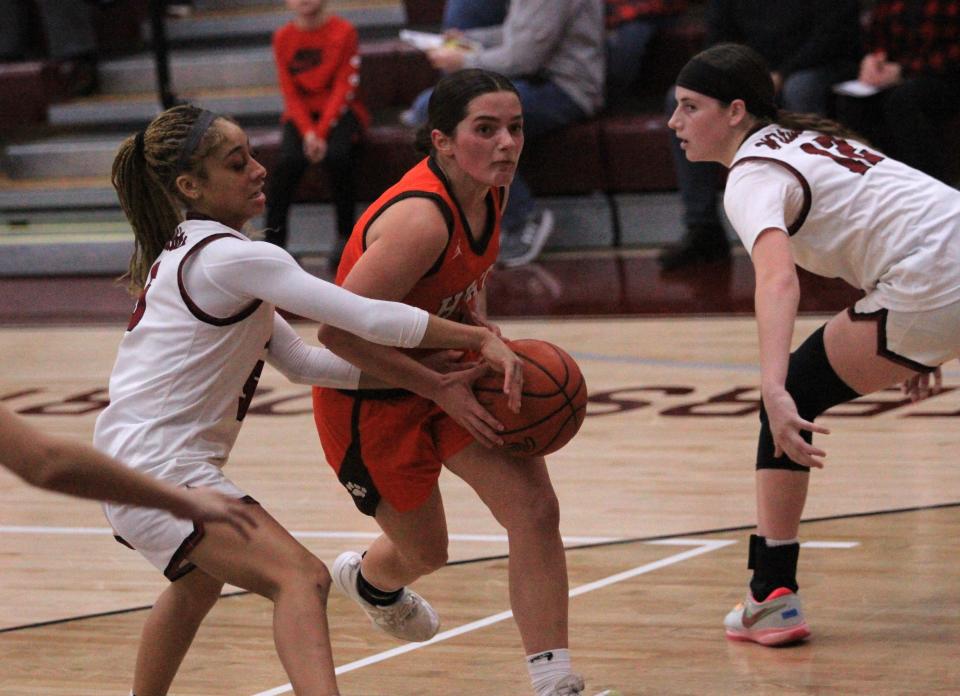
(547, 668)
(782, 542)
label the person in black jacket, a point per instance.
(913, 58)
(809, 45)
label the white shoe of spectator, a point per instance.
(520, 249)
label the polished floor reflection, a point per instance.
(597, 283)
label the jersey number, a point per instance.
(843, 153)
(142, 300)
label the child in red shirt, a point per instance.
(319, 72)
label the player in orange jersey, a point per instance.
(431, 241)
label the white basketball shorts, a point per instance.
(157, 535)
(926, 339)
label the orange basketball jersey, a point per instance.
(391, 444)
(460, 272)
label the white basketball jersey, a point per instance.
(183, 379)
(875, 222)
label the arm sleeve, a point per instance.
(531, 33)
(345, 82)
(759, 196)
(294, 105)
(306, 364)
(248, 270)
(488, 37)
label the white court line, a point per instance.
(829, 544)
(22, 529)
(703, 546)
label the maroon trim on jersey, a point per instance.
(179, 565)
(478, 246)
(880, 316)
(193, 307)
(807, 194)
(444, 210)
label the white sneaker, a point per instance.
(520, 249)
(572, 685)
(409, 119)
(409, 618)
(775, 621)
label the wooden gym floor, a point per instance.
(656, 496)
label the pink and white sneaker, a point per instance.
(775, 621)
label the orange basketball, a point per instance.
(553, 405)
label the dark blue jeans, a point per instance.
(470, 14)
(626, 47)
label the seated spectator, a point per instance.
(809, 46)
(913, 57)
(631, 25)
(553, 52)
(318, 69)
(71, 40)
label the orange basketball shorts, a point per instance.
(387, 444)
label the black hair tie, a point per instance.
(138, 145)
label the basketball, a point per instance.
(553, 405)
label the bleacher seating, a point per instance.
(624, 150)
(599, 155)
(26, 90)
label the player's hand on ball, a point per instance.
(455, 396)
(496, 352)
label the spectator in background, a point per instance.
(631, 26)
(323, 119)
(71, 41)
(553, 52)
(809, 45)
(471, 14)
(913, 57)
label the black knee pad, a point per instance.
(815, 387)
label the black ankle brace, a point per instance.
(772, 567)
(375, 595)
